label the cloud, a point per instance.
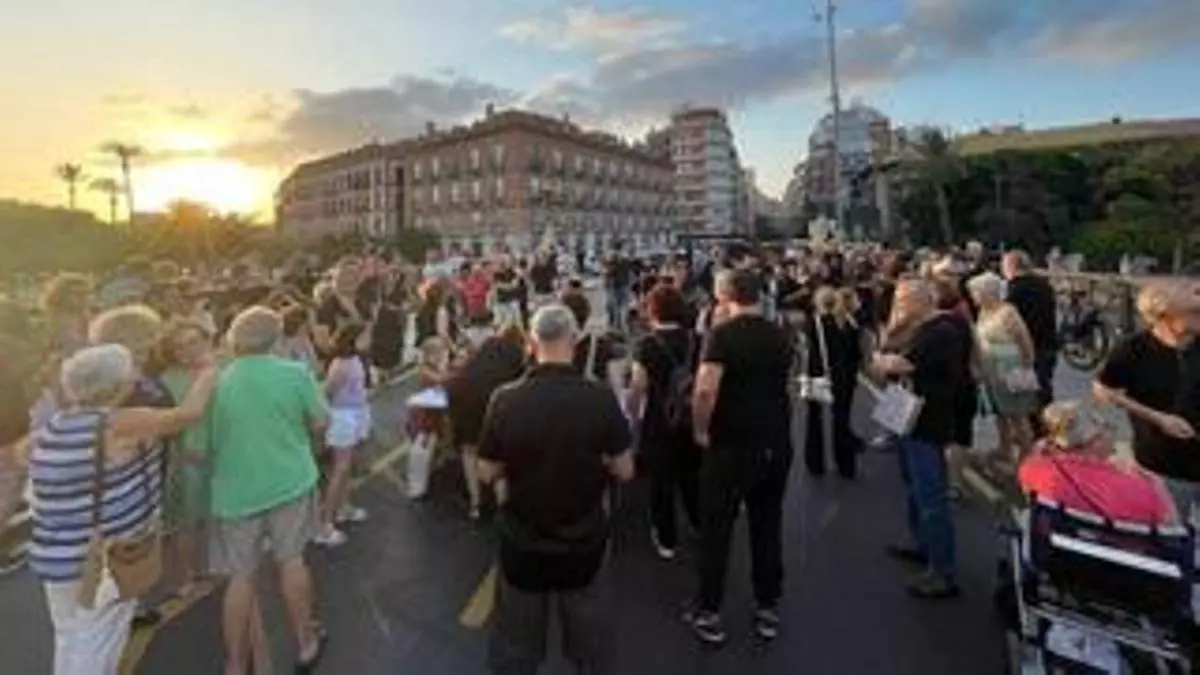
(189, 111)
(322, 122)
(125, 99)
(1123, 31)
(595, 30)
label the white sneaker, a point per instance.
(330, 537)
(351, 514)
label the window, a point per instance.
(476, 189)
(498, 153)
(437, 194)
(474, 158)
(418, 196)
(454, 193)
(535, 184)
(558, 159)
(579, 160)
(500, 188)
(419, 222)
(596, 165)
(436, 167)
(476, 217)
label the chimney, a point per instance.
(430, 128)
(489, 111)
(566, 117)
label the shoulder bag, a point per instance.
(818, 389)
(134, 563)
(589, 364)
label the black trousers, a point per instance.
(1044, 364)
(674, 468)
(844, 444)
(731, 477)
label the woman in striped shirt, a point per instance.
(96, 380)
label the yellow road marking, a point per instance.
(139, 640)
(479, 607)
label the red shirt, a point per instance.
(1097, 486)
(475, 289)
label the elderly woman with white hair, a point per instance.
(265, 418)
(93, 472)
(1006, 355)
(1149, 375)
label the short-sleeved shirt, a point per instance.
(660, 353)
(939, 351)
(1097, 486)
(753, 406)
(261, 415)
(195, 437)
(553, 430)
(1153, 374)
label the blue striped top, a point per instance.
(61, 474)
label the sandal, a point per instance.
(308, 665)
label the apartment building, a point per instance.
(525, 180)
(710, 190)
(865, 137)
(357, 191)
(512, 177)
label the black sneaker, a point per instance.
(930, 586)
(766, 623)
(907, 554)
(707, 627)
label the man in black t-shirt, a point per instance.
(558, 439)
(1034, 299)
(618, 280)
(933, 361)
(1154, 376)
(742, 422)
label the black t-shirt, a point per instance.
(659, 353)
(753, 408)
(333, 313)
(1034, 299)
(505, 281)
(541, 276)
(1159, 377)
(938, 350)
(553, 430)
(607, 350)
(618, 274)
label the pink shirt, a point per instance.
(1096, 486)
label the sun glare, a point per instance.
(185, 140)
(224, 184)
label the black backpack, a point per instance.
(681, 379)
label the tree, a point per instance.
(1166, 180)
(70, 174)
(125, 154)
(112, 189)
(941, 169)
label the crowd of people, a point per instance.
(175, 440)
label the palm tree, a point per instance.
(941, 169)
(111, 188)
(125, 154)
(71, 174)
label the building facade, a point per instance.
(357, 191)
(526, 180)
(865, 137)
(710, 190)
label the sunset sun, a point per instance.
(226, 185)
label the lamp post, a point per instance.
(835, 100)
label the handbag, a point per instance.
(1021, 380)
(877, 412)
(134, 563)
(818, 389)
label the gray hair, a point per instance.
(255, 330)
(93, 372)
(553, 323)
(986, 286)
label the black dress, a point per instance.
(844, 344)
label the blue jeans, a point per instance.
(923, 467)
(617, 302)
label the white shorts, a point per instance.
(348, 427)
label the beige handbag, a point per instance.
(135, 563)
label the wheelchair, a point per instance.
(1084, 594)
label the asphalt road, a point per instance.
(409, 594)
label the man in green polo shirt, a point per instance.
(266, 413)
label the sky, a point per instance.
(226, 96)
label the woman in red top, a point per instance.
(1076, 466)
